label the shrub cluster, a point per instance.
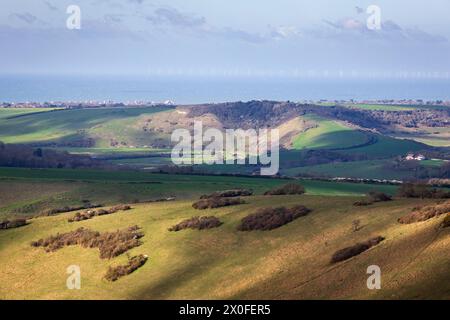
(372, 197)
(378, 196)
(423, 191)
(52, 212)
(20, 155)
(110, 244)
(198, 223)
(269, 218)
(10, 224)
(211, 203)
(134, 263)
(446, 222)
(425, 213)
(89, 214)
(290, 188)
(228, 194)
(355, 250)
(362, 203)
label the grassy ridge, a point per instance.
(66, 124)
(328, 135)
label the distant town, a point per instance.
(137, 103)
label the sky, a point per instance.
(323, 38)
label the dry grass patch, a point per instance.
(425, 213)
(355, 250)
(198, 223)
(212, 203)
(110, 244)
(134, 263)
(269, 218)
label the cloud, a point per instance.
(113, 18)
(50, 6)
(284, 32)
(346, 24)
(359, 10)
(232, 34)
(390, 32)
(24, 17)
(173, 17)
(136, 1)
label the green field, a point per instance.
(291, 262)
(382, 107)
(370, 169)
(391, 107)
(387, 147)
(328, 135)
(28, 192)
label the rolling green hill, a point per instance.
(328, 134)
(14, 112)
(66, 125)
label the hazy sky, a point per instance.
(224, 37)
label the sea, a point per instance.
(194, 90)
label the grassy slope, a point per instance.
(371, 169)
(437, 136)
(328, 135)
(290, 262)
(56, 188)
(382, 107)
(66, 124)
(387, 147)
(390, 107)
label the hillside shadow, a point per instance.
(167, 285)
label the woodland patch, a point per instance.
(272, 218)
(290, 188)
(425, 213)
(10, 224)
(198, 223)
(347, 253)
(212, 203)
(134, 263)
(110, 244)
